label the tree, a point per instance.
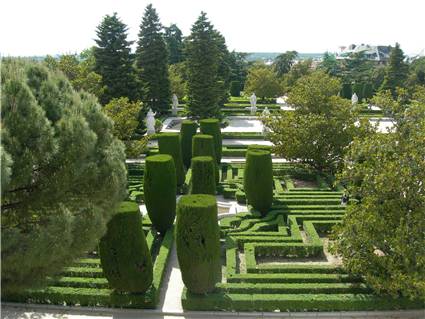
(65, 173)
(382, 235)
(396, 71)
(320, 128)
(224, 71)
(114, 61)
(297, 71)
(330, 64)
(417, 72)
(174, 39)
(238, 70)
(203, 61)
(178, 83)
(152, 62)
(263, 81)
(283, 62)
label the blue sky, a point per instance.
(54, 27)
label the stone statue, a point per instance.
(150, 122)
(253, 101)
(175, 104)
(354, 99)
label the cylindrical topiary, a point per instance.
(203, 145)
(358, 89)
(198, 242)
(212, 127)
(259, 147)
(258, 180)
(203, 175)
(346, 91)
(124, 253)
(169, 143)
(187, 131)
(160, 191)
(367, 90)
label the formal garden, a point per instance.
(278, 188)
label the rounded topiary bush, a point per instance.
(203, 145)
(198, 242)
(212, 127)
(169, 143)
(124, 253)
(160, 191)
(258, 180)
(187, 131)
(203, 175)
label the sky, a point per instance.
(40, 27)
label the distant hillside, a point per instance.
(268, 56)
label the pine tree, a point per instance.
(174, 39)
(224, 70)
(152, 62)
(114, 61)
(203, 61)
(396, 72)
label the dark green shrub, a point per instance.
(358, 89)
(198, 242)
(169, 143)
(187, 131)
(258, 180)
(346, 91)
(259, 147)
(212, 127)
(203, 145)
(160, 191)
(203, 175)
(124, 254)
(235, 88)
(367, 90)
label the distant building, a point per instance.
(378, 53)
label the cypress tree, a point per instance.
(396, 72)
(152, 63)
(114, 61)
(174, 39)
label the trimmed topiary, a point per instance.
(346, 91)
(160, 191)
(187, 131)
(124, 253)
(198, 242)
(358, 89)
(258, 180)
(169, 143)
(367, 90)
(203, 145)
(259, 147)
(203, 175)
(212, 127)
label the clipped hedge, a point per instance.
(203, 175)
(187, 131)
(212, 127)
(203, 145)
(169, 143)
(160, 191)
(258, 180)
(259, 147)
(124, 253)
(198, 242)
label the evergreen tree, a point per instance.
(396, 72)
(283, 62)
(224, 70)
(114, 61)
(152, 62)
(174, 39)
(203, 59)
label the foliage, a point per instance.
(212, 127)
(347, 91)
(174, 38)
(125, 115)
(382, 235)
(203, 175)
(263, 82)
(417, 72)
(124, 254)
(160, 189)
(203, 145)
(178, 83)
(114, 61)
(297, 71)
(65, 169)
(330, 64)
(187, 131)
(198, 242)
(169, 143)
(258, 180)
(396, 71)
(152, 63)
(283, 62)
(238, 71)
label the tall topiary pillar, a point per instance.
(258, 180)
(169, 143)
(203, 175)
(160, 191)
(198, 242)
(187, 131)
(203, 145)
(124, 253)
(212, 127)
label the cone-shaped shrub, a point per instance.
(258, 180)
(187, 131)
(169, 143)
(160, 191)
(198, 242)
(203, 145)
(203, 175)
(124, 253)
(212, 127)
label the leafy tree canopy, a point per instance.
(283, 62)
(174, 38)
(262, 80)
